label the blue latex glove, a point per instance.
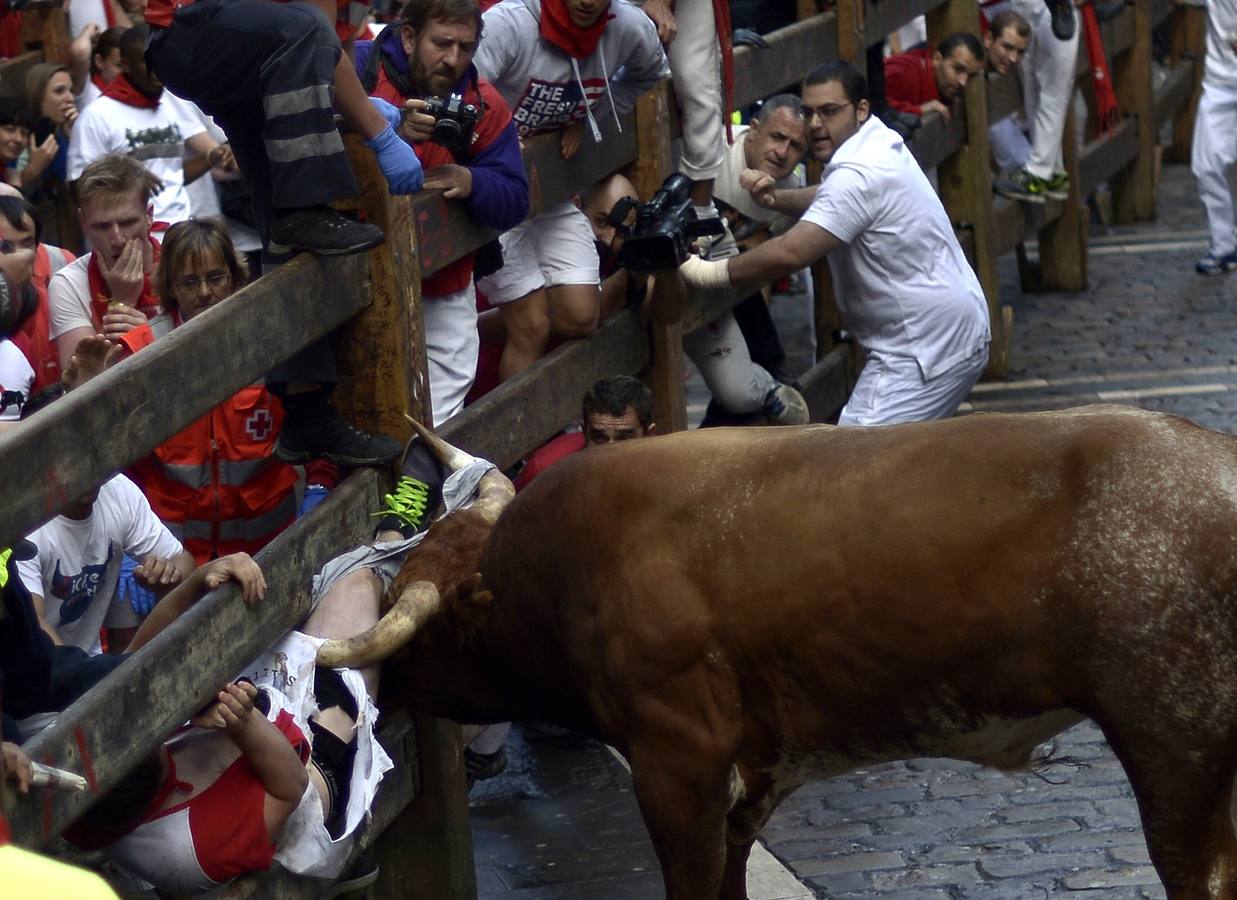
(314, 494)
(141, 599)
(397, 161)
(389, 111)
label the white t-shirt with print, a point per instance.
(16, 380)
(156, 137)
(78, 563)
(903, 285)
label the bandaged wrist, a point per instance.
(707, 274)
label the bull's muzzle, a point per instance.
(420, 601)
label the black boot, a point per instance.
(320, 230)
(314, 429)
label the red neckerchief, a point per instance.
(1108, 110)
(122, 91)
(559, 30)
(101, 294)
(97, 80)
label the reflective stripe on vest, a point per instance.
(249, 530)
(232, 472)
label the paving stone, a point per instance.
(1096, 879)
(1019, 865)
(855, 862)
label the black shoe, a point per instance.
(904, 124)
(361, 874)
(1063, 23)
(321, 230)
(480, 766)
(418, 493)
(323, 434)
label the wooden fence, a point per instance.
(420, 823)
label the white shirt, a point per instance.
(728, 189)
(156, 137)
(78, 563)
(68, 298)
(89, 94)
(904, 286)
(16, 380)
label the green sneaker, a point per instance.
(1022, 185)
(1057, 187)
(410, 508)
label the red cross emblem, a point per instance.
(259, 424)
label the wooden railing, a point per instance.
(420, 823)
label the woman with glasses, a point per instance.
(215, 484)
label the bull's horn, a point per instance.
(493, 494)
(452, 457)
(418, 603)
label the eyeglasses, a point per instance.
(216, 280)
(826, 112)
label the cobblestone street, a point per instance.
(1147, 331)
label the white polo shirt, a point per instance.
(903, 285)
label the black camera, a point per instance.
(455, 121)
(665, 228)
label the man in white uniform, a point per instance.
(1215, 136)
(904, 288)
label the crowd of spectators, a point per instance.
(200, 144)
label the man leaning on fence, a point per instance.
(473, 155)
(904, 288)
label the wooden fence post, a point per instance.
(965, 182)
(1189, 41)
(46, 25)
(1134, 187)
(1063, 242)
(381, 359)
(665, 374)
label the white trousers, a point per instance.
(696, 66)
(720, 353)
(1214, 151)
(892, 389)
(451, 348)
(1047, 86)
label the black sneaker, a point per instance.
(1063, 23)
(321, 230)
(324, 434)
(410, 507)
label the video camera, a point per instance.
(665, 229)
(454, 123)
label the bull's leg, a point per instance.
(1184, 788)
(684, 801)
(746, 820)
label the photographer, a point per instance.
(469, 149)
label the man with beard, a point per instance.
(923, 81)
(904, 288)
(428, 54)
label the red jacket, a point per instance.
(910, 80)
(215, 484)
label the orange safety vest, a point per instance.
(216, 485)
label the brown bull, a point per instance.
(742, 611)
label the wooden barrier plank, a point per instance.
(793, 52)
(1014, 221)
(883, 17)
(45, 23)
(230, 345)
(936, 140)
(1174, 93)
(447, 232)
(177, 672)
(13, 74)
(1103, 157)
(827, 385)
(525, 411)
